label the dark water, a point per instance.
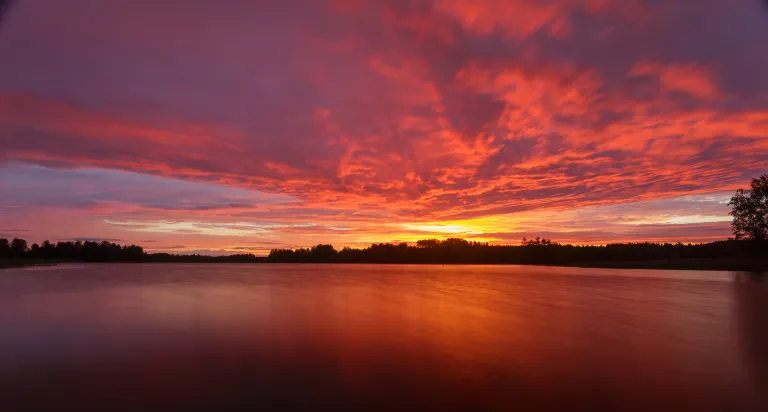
(363, 337)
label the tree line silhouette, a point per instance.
(196, 258)
(428, 251)
(83, 251)
(537, 251)
(104, 252)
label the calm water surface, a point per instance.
(363, 337)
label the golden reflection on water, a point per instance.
(392, 337)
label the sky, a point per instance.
(239, 126)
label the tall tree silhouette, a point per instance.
(750, 211)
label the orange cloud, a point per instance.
(405, 111)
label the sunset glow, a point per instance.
(242, 126)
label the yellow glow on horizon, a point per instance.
(441, 228)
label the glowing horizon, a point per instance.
(247, 126)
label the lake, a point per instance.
(380, 337)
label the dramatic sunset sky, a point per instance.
(244, 125)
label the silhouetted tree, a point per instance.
(750, 211)
(323, 253)
(537, 242)
(47, 250)
(428, 243)
(18, 247)
(5, 248)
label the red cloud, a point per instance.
(421, 110)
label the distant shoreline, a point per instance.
(755, 265)
(23, 263)
(727, 255)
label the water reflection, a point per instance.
(751, 301)
(159, 337)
